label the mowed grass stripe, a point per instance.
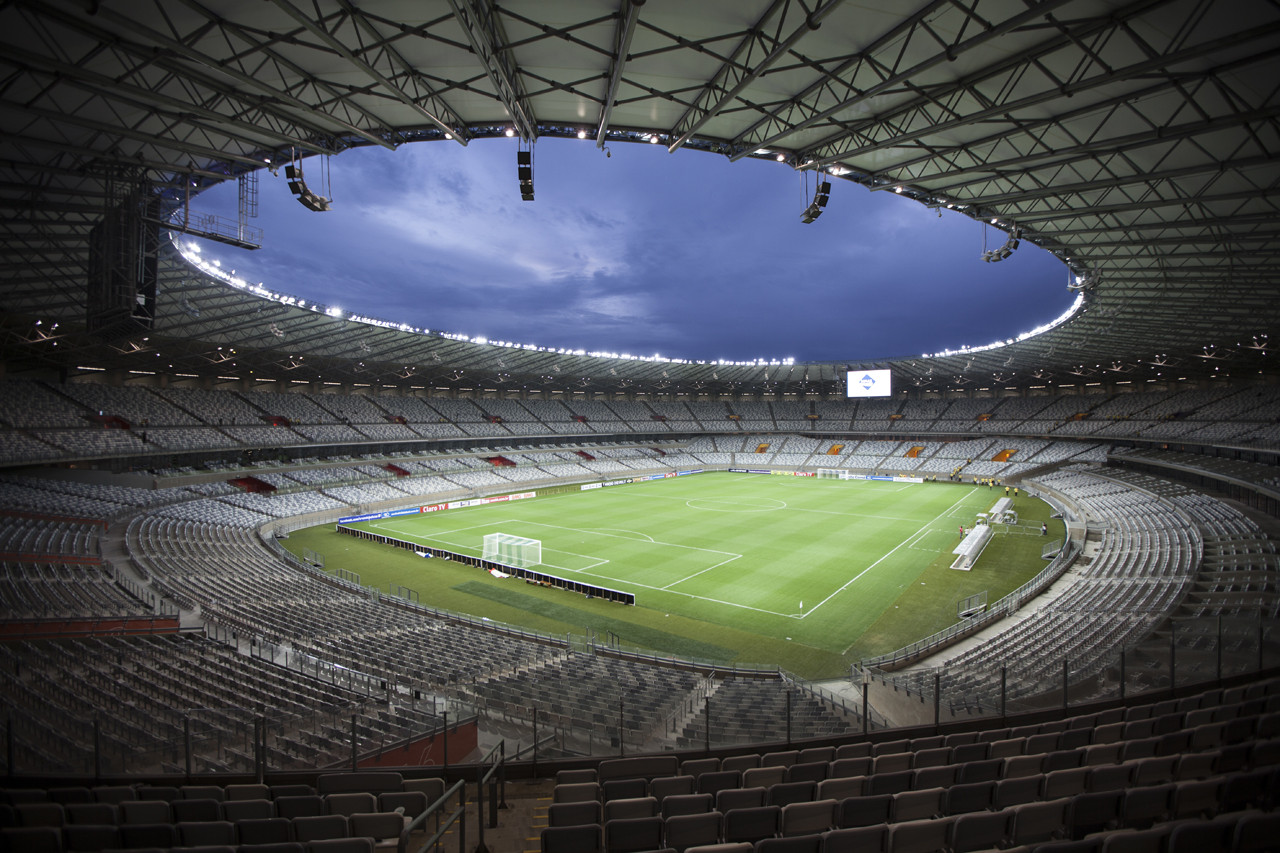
(729, 559)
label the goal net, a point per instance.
(511, 550)
(833, 474)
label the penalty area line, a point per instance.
(886, 556)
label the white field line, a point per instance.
(851, 581)
(793, 509)
(587, 571)
(707, 569)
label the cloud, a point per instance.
(685, 254)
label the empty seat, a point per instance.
(695, 767)
(891, 763)
(763, 776)
(1064, 783)
(808, 818)
(980, 831)
(291, 790)
(1021, 765)
(1256, 832)
(299, 805)
(1093, 812)
(781, 758)
(860, 839)
(206, 833)
(790, 792)
(860, 766)
(97, 814)
(751, 824)
(31, 839)
(203, 809)
(347, 804)
(816, 753)
(970, 797)
(1007, 748)
(864, 811)
(1145, 806)
(1196, 798)
(571, 777)
(70, 794)
(338, 845)
(168, 793)
(918, 805)
(740, 762)
(1102, 753)
(935, 777)
(1154, 770)
(576, 792)
(89, 837)
(573, 814)
(629, 807)
(1109, 777)
(623, 789)
(966, 752)
(1247, 790)
(1011, 792)
(1139, 841)
(270, 830)
(813, 771)
(853, 750)
(892, 747)
(413, 803)
(935, 757)
(678, 804)
(41, 814)
(890, 783)
(1062, 759)
(986, 770)
(719, 780)
(666, 786)
(633, 834)
(690, 830)
(383, 827)
(316, 827)
(145, 811)
(1037, 822)
(920, 836)
(839, 789)
(203, 792)
(740, 798)
(114, 794)
(247, 791)
(795, 844)
(161, 835)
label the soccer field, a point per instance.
(807, 573)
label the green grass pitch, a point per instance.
(807, 574)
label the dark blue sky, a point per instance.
(644, 252)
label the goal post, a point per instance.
(511, 550)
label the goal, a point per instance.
(511, 550)
(833, 474)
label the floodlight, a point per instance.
(1007, 249)
(298, 186)
(524, 167)
(814, 210)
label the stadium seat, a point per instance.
(683, 831)
(580, 813)
(633, 834)
(751, 824)
(680, 804)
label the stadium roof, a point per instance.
(1138, 141)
